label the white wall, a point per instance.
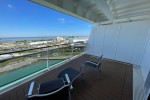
(126, 42)
(145, 64)
(123, 42)
(98, 45)
(95, 47)
(89, 46)
(148, 93)
(111, 35)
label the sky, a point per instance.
(22, 18)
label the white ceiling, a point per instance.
(129, 8)
(100, 10)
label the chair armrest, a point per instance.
(91, 62)
(82, 65)
(31, 88)
(68, 80)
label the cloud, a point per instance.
(62, 20)
(89, 25)
(10, 6)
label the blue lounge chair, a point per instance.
(72, 74)
(51, 90)
(92, 64)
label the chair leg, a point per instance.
(82, 67)
(98, 71)
(100, 68)
(69, 95)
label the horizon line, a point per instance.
(41, 36)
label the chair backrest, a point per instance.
(61, 94)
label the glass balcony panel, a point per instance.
(19, 65)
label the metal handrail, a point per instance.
(31, 49)
(29, 54)
(32, 53)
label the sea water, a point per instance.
(14, 39)
(12, 76)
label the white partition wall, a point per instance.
(145, 64)
(98, 40)
(142, 35)
(125, 42)
(111, 35)
(122, 42)
(90, 42)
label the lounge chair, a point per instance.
(93, 64)
(72, 74)
(51, 90)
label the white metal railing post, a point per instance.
(72, 49)
(48, 58)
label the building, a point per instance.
(38, 43)
(60, 39)
(84, 40)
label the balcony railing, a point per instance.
(22, 65)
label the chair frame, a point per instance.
(90, 64)
(30, 95)
(70, 81)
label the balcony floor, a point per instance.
(113, 83)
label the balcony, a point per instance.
(19, 66)
(115, 81)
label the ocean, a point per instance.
(8, 77)
(14, 39)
